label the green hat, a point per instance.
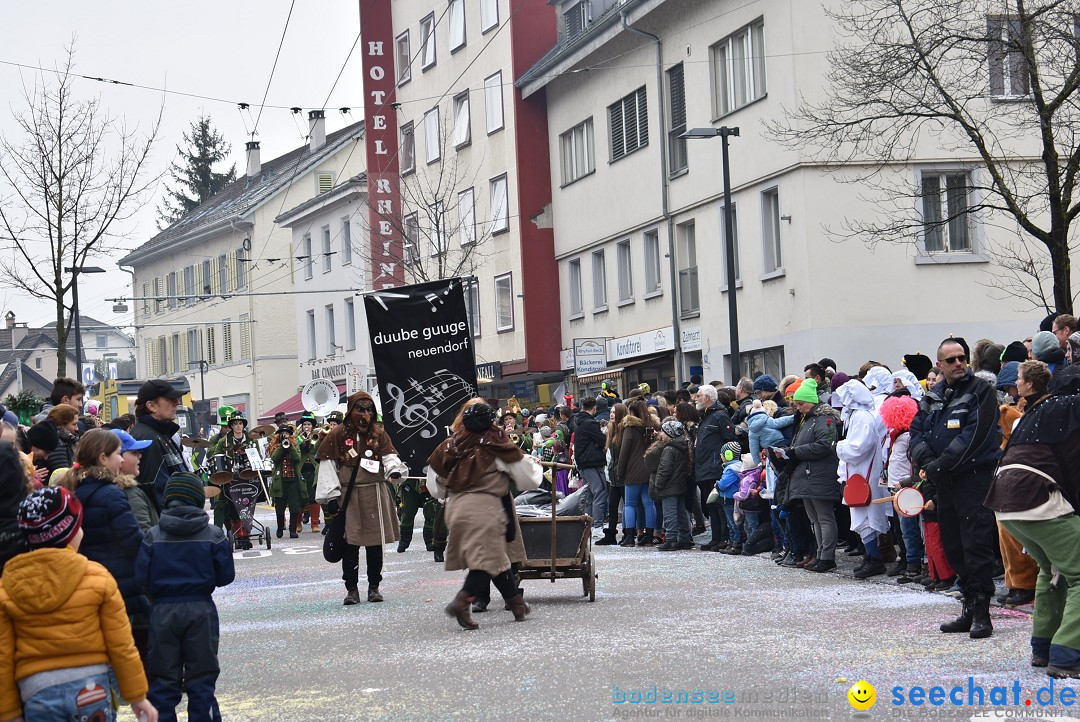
(238, 416)
(224, 412)
(807, 392)
(186, 488)
(307, 416)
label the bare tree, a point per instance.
(442, 233)
(990, 83)
(71, 179)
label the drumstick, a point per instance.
(883, 500)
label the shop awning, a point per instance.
(647, 360)
(605, 374)
(292, 407)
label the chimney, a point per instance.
(9, 319)
(316, 129)
(253, 164)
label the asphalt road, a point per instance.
(775, 642)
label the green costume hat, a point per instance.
(224, 413)
(307, 416)
(238, 416)
(807, 392)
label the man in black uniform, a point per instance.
(956, 442)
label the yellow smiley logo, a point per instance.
(862, 695)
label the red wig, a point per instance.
(897, 413)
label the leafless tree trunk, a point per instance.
(990, 83)
(71, 178)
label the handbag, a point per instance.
(333, 547)
(857, 489)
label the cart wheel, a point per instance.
(592, 577)
(266, 538)
(232, 539)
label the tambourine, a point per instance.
(908, 502)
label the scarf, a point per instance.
(466, 455)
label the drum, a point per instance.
(220, 469)
(211, 491)
(908, 502)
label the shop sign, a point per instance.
(590, 355)
(641, 344)
(691, 338)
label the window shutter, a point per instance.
(170, 361)
(575, 19)
(642, 119)
(995, 56)
(677, 93)
(231, 261)
(618, 148)
(325, 182)
(212, 282)
(198, 281)
(181, 363)
(245, 337)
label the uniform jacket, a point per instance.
(277, 481)
(184, 558)
(957, 428)
(111, 535)
(631, 468)
(63, 610)
(714, 430)
(813, 451)
(588, 442)
(674, 462)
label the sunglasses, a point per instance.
(954, 359)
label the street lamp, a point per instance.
(729, 241)
(75, 271)
(204, 366)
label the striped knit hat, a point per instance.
(50, 517)
(186, 488)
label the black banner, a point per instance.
(422, 349)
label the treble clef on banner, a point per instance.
(410, 416)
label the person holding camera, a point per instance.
(286, 487)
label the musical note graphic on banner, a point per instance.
(416, 408)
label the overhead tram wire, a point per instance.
(273, 69)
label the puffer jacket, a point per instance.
(766, 431)
(589, 442)
(714, 431)
(670, 478)
(631, 468)
(184, 558)
(112, 536)
(58, 610)
(813, 451)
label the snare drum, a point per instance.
(220, 469)
(908, 502)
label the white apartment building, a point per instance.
(331, 327)
(638, 212)
(212, 291)
(474, 178)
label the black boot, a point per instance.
(406, 539)
(961, 623)
(870, 568)
(439, 556)
(897, 569)
(629, 537)
(373, 593)
(981, 627)
(648, 540)
(608, 540)
(352, 596)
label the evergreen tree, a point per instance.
(193, 174)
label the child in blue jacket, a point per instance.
(726, 487)
(181, 562)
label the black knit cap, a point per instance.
(1015, 351)
(478, 418)
(43, 436)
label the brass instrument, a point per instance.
(286, 444)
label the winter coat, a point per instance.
(277, 480)
(714, 430)
(588, 442)
(631, 468)
(813, 452)
(670, 478)
(145, 512)
(729, 480)
(957, 428)
(613, 466)
(63, 456)
(652, 465)
(476, 519)
(112, 536)
(766, 431)
(12, 541)
(184, 558)
(899, 463)
(60, 610)
(153, 469)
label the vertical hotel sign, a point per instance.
(381, 141)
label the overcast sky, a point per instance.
(223, 49)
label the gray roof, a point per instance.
(356, 182)
(244, 194)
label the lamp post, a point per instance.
(729, 241)
(204, 366)
(75, 271)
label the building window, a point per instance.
(493, 102)
(432, 136)
(1010, 74)
(171, 282)
(100, 339)
(575, 20)
(331, 332)
(629, 120)
(626, 271)
(412, 239)
(945, 202)
(427, 42)
(346, 241)
(577, 152)
(241, 269)
(735, 239)
(504, 303)
(350, 325)
(472, 306)
(762, 361)
(313, 348)
(37, 363)
(226, 341)
(437, 226)
(770, 230)
(489, 14)
(653, 282)
(500, 217)
(576, 308)
(408, 149)
(457, 24)
(207, 278)
(467, 216)
(676, 119)
(327, 250)
(245, 337)
(211, 346)
(305, 256)
(462, 120)
(193, 350)
(324, 182)
(404, 58)
(599, 280)
(738, 69)
(223, 273)
(689, 304)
